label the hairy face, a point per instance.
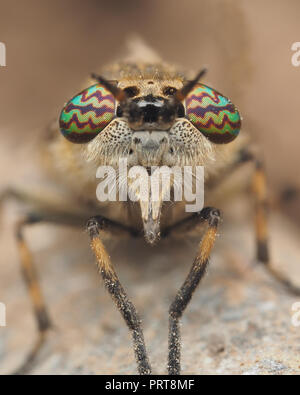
(150, 118)
(150, 130)
(149, 115)
(181, 145)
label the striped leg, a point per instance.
(210, 216)
(117, 292)
(259, 189)
(36, 296)
(261, 209)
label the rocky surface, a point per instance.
(239, 321)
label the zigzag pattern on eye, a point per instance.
(203, 111)
(87, 114)
(82, 125)
(89, 108)
(199, 98)
(213, 114)
(97, 94)
(225, 121)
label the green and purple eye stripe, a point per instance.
(213, 114)
(87, 114)
(90, 111)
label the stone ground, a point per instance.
(239, 320)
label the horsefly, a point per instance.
(152, 134)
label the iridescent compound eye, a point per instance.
(213, 114)
(87, 114)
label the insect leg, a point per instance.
(117, 292)
(36, 296)
(211, 217)
(243, 157)
(259, 189)
(31, 279)
(261, 208)
(45, 210)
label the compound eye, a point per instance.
(87, 114)
(213, 114)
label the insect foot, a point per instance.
(212, 215)
(93, 227)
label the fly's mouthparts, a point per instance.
(150, 147)
(150, 139)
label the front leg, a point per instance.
(211, 216)
(117, 292)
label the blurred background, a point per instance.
(53, 45)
